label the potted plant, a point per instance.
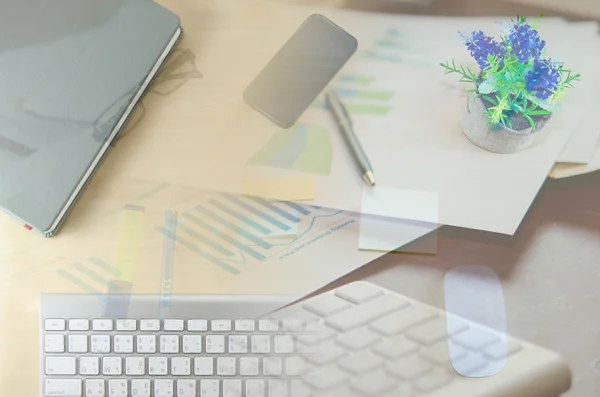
(516, 90)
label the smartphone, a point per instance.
(300, 70)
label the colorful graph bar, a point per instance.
(392, 44)
(256, 212)
(183, 242)
(276, 209)
(363, 108)
(362, 94)
(168, 261)
(210, 243)
(240, 217)
(244, 233)
(360, 80)
(297, 207)
(225, 237)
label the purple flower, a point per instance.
(543, 79)
(482, 46)
(525, 42)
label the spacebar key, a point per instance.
(63, 388)
(367, 312)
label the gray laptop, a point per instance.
(71, 72)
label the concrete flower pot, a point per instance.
(498, 139)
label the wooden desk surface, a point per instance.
(549, 267)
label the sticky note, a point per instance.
(283, 189)
(401, 203)
(378, 233)
(130, 242)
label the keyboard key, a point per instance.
(123, 343)
(203, 366)
(358, 338)
(340, 391)
(95, 388)
(365, 313)
(299, 389)
(169, 344)
(215, 344)
(244, 325)
(180, 366)
(295, 365)
(432, 381)
(186, 388)
(192, 343)
(163, 388)
(197, 325)
(126, 325)
(255, 388)
(80, 324)
(400, 391)
(157, 365)
(220, 325)
(326, 305)
(501, 349)
(173, 325)
(112, 366)
(374, 383)
(268, 325)
(395, 347)
(283, 344)
(361, 362)
(78, 343)
(436, 330)
(402, 320)
(61, 366)
(118, 387)
(469, 364)
(325, 377)
(359, 292)
(54, 343)
(440, 353)
(238, 344)
(146, 344)
(232, 388)
(63, 387)
(89, 366)
(249, 366)
(226, 366)
(140, 387)
(54, 324)
(102, 325)
(326, 353)
(278, 388)
(409, 368)
(476, 338)
(292, 324)
(272, 366)
(135, 366)
(209, 388)
(150, 325)
(100, 344)
(261, 344)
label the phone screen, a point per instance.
(300, 70)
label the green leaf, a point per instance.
(539, 113)
(486, 87)
(530, 120)
(491, 100)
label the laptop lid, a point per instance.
(70, 72)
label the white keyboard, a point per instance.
(358, 340)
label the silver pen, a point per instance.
(344, 122)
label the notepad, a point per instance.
(283, 189)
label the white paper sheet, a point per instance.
(378, 233)
(421, 147)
